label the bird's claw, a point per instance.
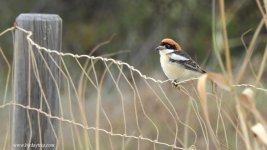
(176, 85)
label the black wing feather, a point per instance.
(189, 64)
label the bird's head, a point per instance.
(168, 46)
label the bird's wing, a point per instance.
(185, 60)
(179, 57)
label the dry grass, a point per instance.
(108, 104)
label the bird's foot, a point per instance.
(176, 85)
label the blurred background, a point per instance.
(136, 27)
(129, 31)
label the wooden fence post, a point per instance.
(36, 82)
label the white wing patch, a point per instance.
(178, 57)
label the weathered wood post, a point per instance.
(36, 82)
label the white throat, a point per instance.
(166, 51)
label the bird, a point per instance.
(176, 63)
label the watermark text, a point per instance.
(33, 145)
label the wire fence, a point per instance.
(109, 104)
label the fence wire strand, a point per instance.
(111, 100)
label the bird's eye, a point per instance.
(168, 46)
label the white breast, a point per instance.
(175, 71)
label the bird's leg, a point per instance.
(175, 84)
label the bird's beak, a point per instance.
(160, 48)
